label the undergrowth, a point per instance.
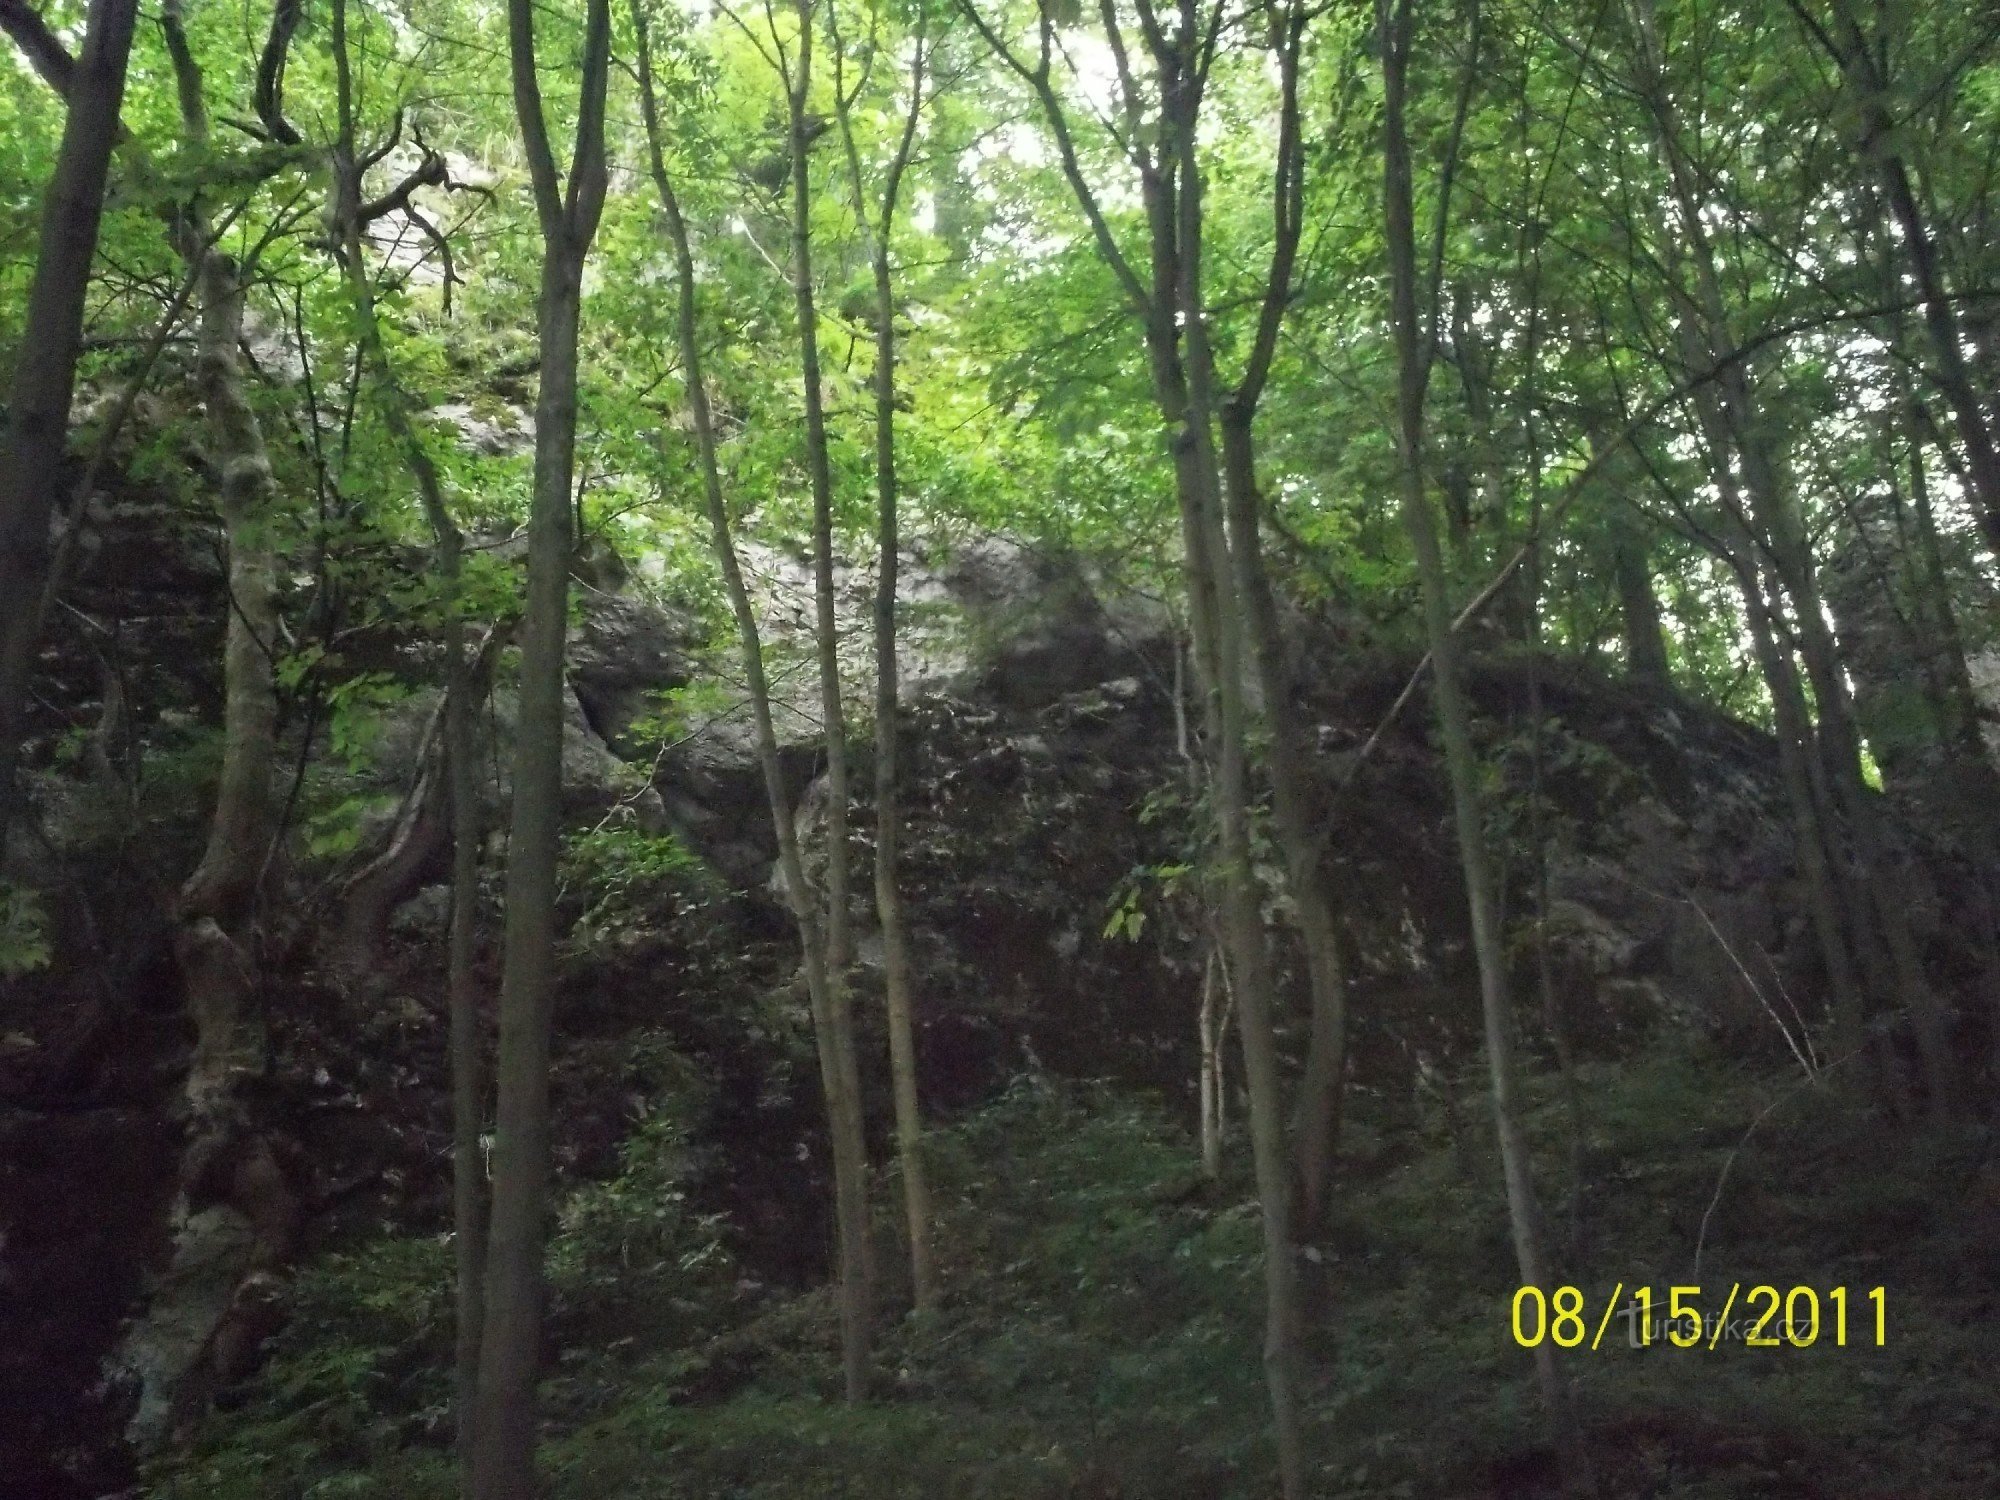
(1099, 1335)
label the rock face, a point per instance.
(1037, 627)
(1048, 793)
(990, 622)
(1053, 828)
(623, 655)
(506, 433)
(596, 783)
(1671, 891)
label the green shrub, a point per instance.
(356, 1398)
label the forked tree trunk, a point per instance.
(462, 800)
(503, 1436)
(1217, 580)
(1877, 907)
(1294, 791)
(897, 982)
(1171, 197)
(1875, 130)
(1455, 726)
(843, 1117)
(228, 1161)
(38, 399)
(842, 1070)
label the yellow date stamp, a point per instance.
(1758, 1317)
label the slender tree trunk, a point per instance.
(1554, 1022)
(1212, 577)
(468, 1084)
(217, 905)
(1878, 905)
(1814, 838)
(1454, 724)
(1171, 197)
(1316, 1115)
(1886, 624)
(1480, 478)
(1243, 935)
(240, 834)
(897, 983)
(216, 942)
(1873, 851)
(896, 967)
(1971, 776)
(467, 1087)
(1209, 1081)
(1795, 748)
(1947, 640)
(1639, 607)
(843, 1080)
(1775, 514)
(1875, 127)
(38, 399)
(1218, 1003)
(1212, 1017)
(504, 1439)
(819, 469)
(843, 1117)
(1289, 757)
(1877, 909)
(504, 1423)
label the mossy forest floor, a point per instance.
(1100, 1337)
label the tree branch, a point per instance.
(40, 46)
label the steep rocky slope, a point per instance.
(1049, 793)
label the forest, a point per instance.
(1010, 749)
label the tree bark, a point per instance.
(1455, 726)
(1249, 962)
(1958, 702)
(1295, 814)
(897, 982)
(38, 399)
(504, 1425)
(1855, 53)
(468, 1082)
(843, 1080)
(228, 1164)
(1638, 606)
(1294, 790)
(1208, 1080)
(843, 1111)
(1164, 156)
(216, 906)
(462, 800)
(1212, 576)
(1774, 512)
